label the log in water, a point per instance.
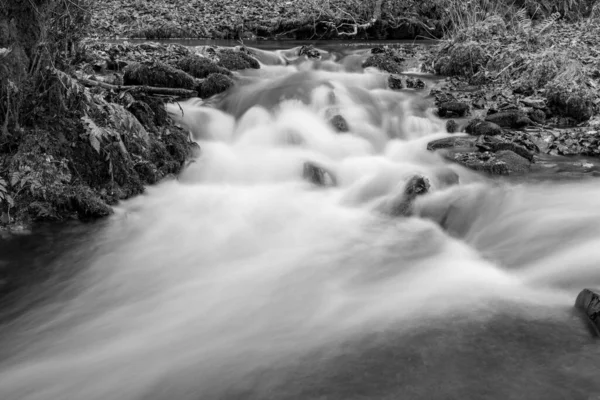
(242, 280)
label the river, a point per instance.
(241, 280)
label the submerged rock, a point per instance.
(510, 119)
(416, 186)
(318, 175)
(589, 302)
(453, 108)
(339, 123)
(478, 127)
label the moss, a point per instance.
(200, 67)
(568, 94)
(157, 74)
(462, 59)
(214, 84)
(236, 60)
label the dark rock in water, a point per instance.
(236, 60)
(339, 123)
(387, 62)
(416, 186)
(414, 83)
(456, 142)
(510, 119)
(309, 51)
(502, 163)
(395, 82)
(589, 302)
(451, 126)
(453, 108)
(318, 175)
(478, 127)
(446, 177)
(537, 115)
(214, 84)
(493, 144)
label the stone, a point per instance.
(385, 62)
(451, 126)
(535, 102)
(339, 123)
(318, 175)
(537, 115)
(455, 142)
(453, 108)
(510, 119)
(416, 186)
(504, 162)
(494, 144)
(589, 302)
(479, 103)
(309, 51)
(415, 83)
(395, 82)
(478, 127)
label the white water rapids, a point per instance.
(241, 280)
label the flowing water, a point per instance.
(241, 280)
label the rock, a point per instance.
(200, 67)
(416, 186)
(214, 84)
(157, 74)
(589, 302)
(537, 115)
(446, 177)
(479, 103)
(502, 163)
(510, 119)
(414, 83)
(451, 126)
(318, 175)
(339, 123)
(456, 142)
(385, 62)
(309, 51)
(395, 82)
(478, 127)
(236, 60)
(453, 108)
(535, 102)
(493, 144)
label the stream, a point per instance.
(242, 280)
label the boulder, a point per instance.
(309, 51)
(455, 142)
(589, 302)
(414, 83)
(236, 60)
(451, 126)
(318, 175)
(339, 123)
(395, 82)
(510, 119)
(494, 144)
(537, 115)
(416, 186)
(453, 108)
(157, 74)
(200, 67)
(504, 162)
(478, 127)
(214, 84)
(385, 62)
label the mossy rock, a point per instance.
(462, 59)
(236, 60)
(477, 127)
(200, 67)
(385, 62)
(157, 74)
(214, 84)
(453, 108)
(570, 100)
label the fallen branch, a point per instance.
(144, 89)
